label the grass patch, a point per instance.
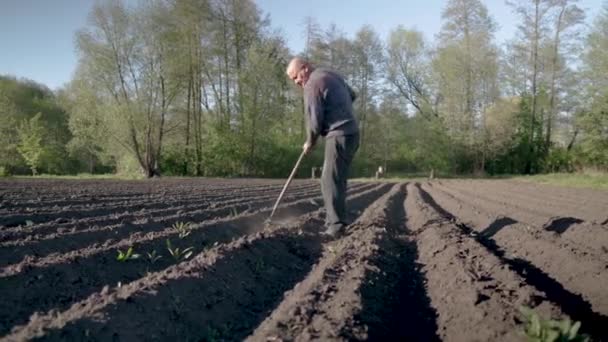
(578, 180)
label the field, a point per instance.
(449, 260)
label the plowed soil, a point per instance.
(422, 261)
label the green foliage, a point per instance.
(594, 144)
(128, 255)
(183, 229)
(30, 142)
(33, 129)
(153, 257)
(174, 88)
(4, 172)
(558, 159)
(540, 330)
(177, 253)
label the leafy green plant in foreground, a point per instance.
(128, 255)
(540, 330)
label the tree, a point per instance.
(467, 68)
(594, 120)
(568, 18)
(408, 69)
(128, 54)
(30, 142)
(366, 74)
(9, 138)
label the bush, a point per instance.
(4, 171)
(558, 160)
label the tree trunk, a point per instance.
(553, 76)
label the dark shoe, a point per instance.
(334, 230)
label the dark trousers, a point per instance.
(339, 153)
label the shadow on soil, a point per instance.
(395, 303)
(496, 226)
(561, 224)
(572, 304)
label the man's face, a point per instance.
(300, 75)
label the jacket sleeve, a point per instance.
(313, 106)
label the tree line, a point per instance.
(198, 88)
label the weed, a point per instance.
(153, 257)
(183, 229)
(540, 330)
(129, 255)
(177, 253)
(212, 335)
(259, 265)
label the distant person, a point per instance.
(380, 172)
(328, 108)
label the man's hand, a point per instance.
(307, 147)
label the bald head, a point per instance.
(299, 71)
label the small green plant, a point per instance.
(233, 211)
(177, 253)
(128, 255)
(153, 257)
(183, 229)
(540, 330)
(259, 265)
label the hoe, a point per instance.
(293, 172)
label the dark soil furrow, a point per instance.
(142, 205)
(582, 241)
(77, 274)
(299, 316)
(162, 196)
(121, 216)
(40, 245)
(87, 193)
(545, 204)
(571, 304)
(555, 193)
(475, 294)
(243, 281)
(23, 235)
(515, 206)
(583, 274)
(443, 260)
(347, 297)
(65, 242)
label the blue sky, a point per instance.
(37, 36)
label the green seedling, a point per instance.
(129, 255)
(259, 265)
(179, 254)
(233, 211)
(540, 330)
(153, 257)
(183, 229)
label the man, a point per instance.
(328, 108)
